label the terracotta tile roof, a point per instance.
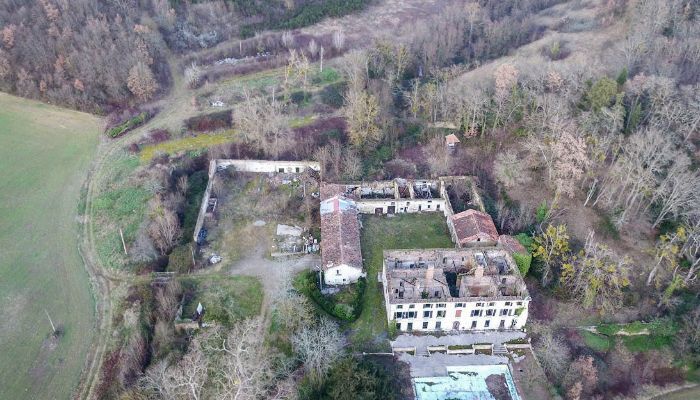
(452, 139)
(340, 233)
(511, 244)
(474, 226)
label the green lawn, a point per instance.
(599, 343)
(226, 298)
(379, 233)
(44, 156)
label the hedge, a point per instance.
(307, 284)
(128, 125)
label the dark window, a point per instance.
(425, 325)
(438, 325)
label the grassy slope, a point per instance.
(44, 155)
(406, 231)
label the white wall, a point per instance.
(342, 275)
(269, 166)
(465, 319)
(401, 206)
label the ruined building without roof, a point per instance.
(478, 288)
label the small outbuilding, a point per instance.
(472, 226)
(451, 140)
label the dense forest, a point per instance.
(578, 120)
(101, 55)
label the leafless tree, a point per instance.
(318, 347)
(244, 368)
(569, 163)
(634, 173)
(338, 39)
(678, 192)
(141, 81)
(288, 39)
(438, 158)
(193, 74)
(352, 164)
(553, 354)
(185, 379)
(508, 168)
(164, 227)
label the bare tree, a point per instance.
(438, 157)
(553, 354)
(244, 369)
(508, 168)
(193, 74)
(569, 163)
(352, 164)
(141, 81)
(338, 39)
(185, 379)
(164, 227)
(678, 192)
(318, 347)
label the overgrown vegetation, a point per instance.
(379, 234)
(345, 306)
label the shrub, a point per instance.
(180, 259)
(328, 75)
(332, 95)
(608, 227)
(523, 261)
(542, 212)
(298, 97)
(307, 283)
(601, 94)
(525, 240)
(128, 125)
(210, 122)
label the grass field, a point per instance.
(44, 155)
(405, 231)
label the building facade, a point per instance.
(471, 289)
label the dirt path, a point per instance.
(105, 280)
(273, 274)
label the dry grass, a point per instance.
(192, 143)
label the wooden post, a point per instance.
(321, 58)
(121, 234)
(53, 327)
(192, 250)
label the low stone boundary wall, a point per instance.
(259, 166)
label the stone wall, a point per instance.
(259, 166)
(263, 166)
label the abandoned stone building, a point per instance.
(341, 256)
(473, 227)
(393, 197)
(467, 289)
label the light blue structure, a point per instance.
(463, 383)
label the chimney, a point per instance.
(429, 274)
(479, 272)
